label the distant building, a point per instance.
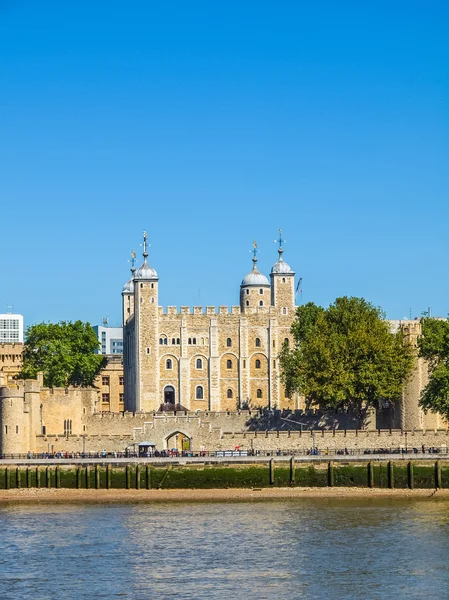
(110, 338)
(11, 329)
(11, 344)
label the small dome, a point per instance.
(255, 278)
(281, 267)
(145, 272)
(128, 288)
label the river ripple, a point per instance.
(320, 548)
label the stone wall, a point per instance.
(110, 383)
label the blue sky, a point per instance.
(213, 124)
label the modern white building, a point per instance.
(110, 338)
(11, 328)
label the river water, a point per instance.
(310, 548)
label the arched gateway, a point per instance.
(178, 441)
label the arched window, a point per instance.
(229, 393)
(190, 340)
(199, 363)
(284, 311)
(152, 286)
(287, 342)
(229, 342)
(247, 292)
(283, 280)
(161, 341)
(257, 363)
(169, 364)
(258, 342)
(261, 291)
(165, 341)
(261, 303)
(178, 341)
(247, 303)
(259, 393)
(199, 394)
(229, 364)
(173, 341)
(194, 340)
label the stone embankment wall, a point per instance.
(414, 474)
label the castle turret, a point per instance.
(255, 288)
(13, 421)
(282, 283)
(146, 348)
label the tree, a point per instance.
(345, 356)
(434, 347)
(64, 352)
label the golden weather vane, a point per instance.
(145, 245)
(132, 260)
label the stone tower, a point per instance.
(12, 419)
(282, 284)
(146, 335)
(255, 288)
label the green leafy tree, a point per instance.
(434, 347)
(64, 352)
(345, 356)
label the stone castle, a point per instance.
(195, 380)
(208, 360)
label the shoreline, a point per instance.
(92, 496)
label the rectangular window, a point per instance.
(105, 397)
(121, 380)
(17, 429)
(121, 397)
(44, 430)
(105, 380)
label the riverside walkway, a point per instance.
(222, 460)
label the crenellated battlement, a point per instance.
(213, 311)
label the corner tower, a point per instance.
(282, 282)
(255, 288)
(146, 315)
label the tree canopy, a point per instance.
(434, 347)
(345, 356)
(64, 352)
